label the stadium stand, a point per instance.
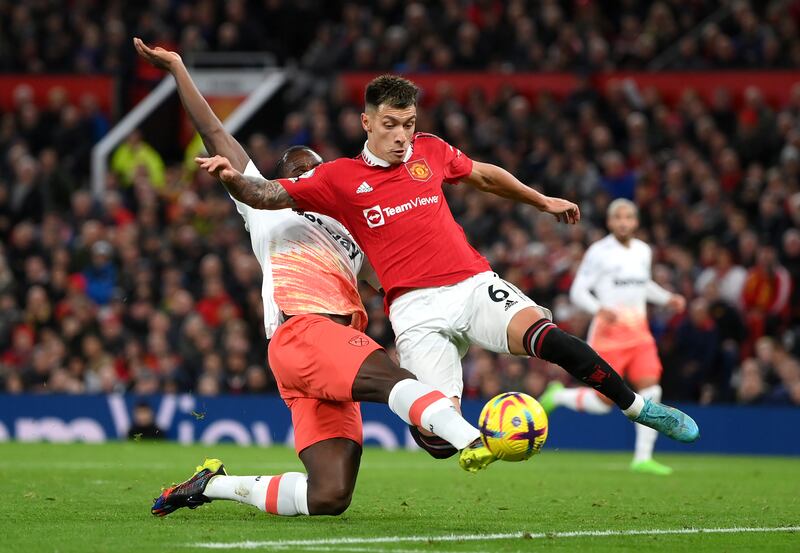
(154, 288)
(549, 35)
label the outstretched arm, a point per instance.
(257, 192)
(496, 180)
(216, 139)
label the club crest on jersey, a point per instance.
(419, 170)
(374, 216)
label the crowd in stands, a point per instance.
(154, 286)
(88, 36)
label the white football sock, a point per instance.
(646, 436)
(582, 399)
(636, 407)
(285, 494)
(421, 405)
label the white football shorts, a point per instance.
(434, 327)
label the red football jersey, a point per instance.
(397, 213)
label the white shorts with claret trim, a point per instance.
(434, 327)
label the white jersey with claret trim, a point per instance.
(310, 263)
(617, 277)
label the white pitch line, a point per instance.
(489, 537)
(348, 549)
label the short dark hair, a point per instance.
(285, 165)
(391, 90)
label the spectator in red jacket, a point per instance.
(765, 296)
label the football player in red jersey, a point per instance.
(322, 361)
(441, 294)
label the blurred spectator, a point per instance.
(771, 376)
(136, 157)
(765, 296)
(791, 260)
(144, 424)
(727, 277)
(27, 198)
(101, 275)
(696, 347)
(215, 305)
(617, 180)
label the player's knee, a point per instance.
(332, 500)
(520, 325)
(376, 378)
(566, 350)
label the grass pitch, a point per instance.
(87, 498)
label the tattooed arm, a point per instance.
(257, 192)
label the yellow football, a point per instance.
(513, 426)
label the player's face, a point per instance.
(389, 131)
(300, 162)
(623, 222)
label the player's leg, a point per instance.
(645, 376)
(379, 380)
(533, 334)
(282, 494)
(332, 467)
(581, 398)
(328, 441)
(503, 319)
(313, 356)
(424, 349)
(327, 488)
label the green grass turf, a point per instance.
(86, 498)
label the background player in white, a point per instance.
(614, 283)
(441, 294)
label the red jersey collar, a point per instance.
(372, 159)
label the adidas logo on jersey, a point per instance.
(509, 304)
(364, 188)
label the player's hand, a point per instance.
(563, 210)
(677, 303)
(607, 315)
(157, 57)
(218, 166)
